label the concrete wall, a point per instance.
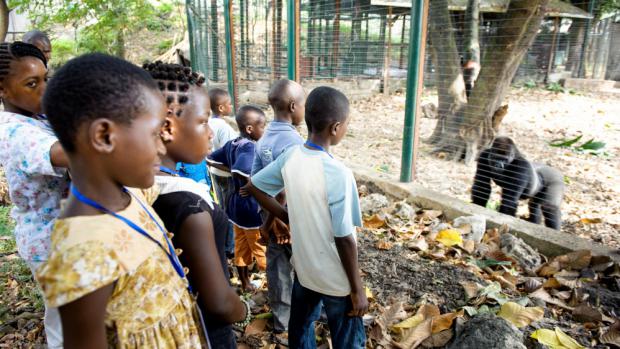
(547, 241)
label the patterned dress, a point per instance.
(150, 306)
(35, 186)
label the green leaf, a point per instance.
(488, 262)
(592, 145)
(564, 143)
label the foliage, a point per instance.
(589, 147)
(102, 26)
(64, 50)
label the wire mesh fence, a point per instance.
(486, 61)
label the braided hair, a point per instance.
(174, 81)
(10, 52)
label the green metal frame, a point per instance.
(413, 80)
(292, 43)
(229, 53)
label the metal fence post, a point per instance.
(292, 17)
(415, 70)
(230, 53)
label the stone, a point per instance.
(478, 226)
(373, 203)
(403, 210)
(524, 254)
(489, 332)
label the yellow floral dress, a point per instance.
(150, 306)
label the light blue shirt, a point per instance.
(322, 204)
(278, 137)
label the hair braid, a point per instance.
(13, 51)
(174, 81)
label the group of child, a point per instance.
(137, 256)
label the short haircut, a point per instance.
(174, 81)
(283, 92)
(94, 86)
(35, 36)
(324, 106)
(243, 119)
(217, 96)
(13, 51)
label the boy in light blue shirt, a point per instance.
(323, 211)
(287, 99)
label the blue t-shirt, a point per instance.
(322, 204)
(278, 137)
(238, 155)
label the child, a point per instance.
(33, 160)
(287, 99)
(112, 270)
(237, 156)
(221, 106)
(199, 226)
(41, 41)
(323, 208)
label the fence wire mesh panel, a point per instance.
(542, 73)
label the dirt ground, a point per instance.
(591, 206)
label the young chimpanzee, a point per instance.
(519, 179)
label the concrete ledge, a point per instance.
(547, 241)
(590, 85)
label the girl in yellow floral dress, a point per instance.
(112, 270)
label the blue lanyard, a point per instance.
(318, 147)
(170, 252)
(165, 169)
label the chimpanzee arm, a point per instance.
(518, 175)
(481, 190)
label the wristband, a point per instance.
(248, 314)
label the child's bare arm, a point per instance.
(58, 156)
(83, 320)
(267, 202)
(347, 250)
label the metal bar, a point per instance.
(415, 69)
(190, 29)
(554, 41)
(584, 44)
(215, 56)
(292, 42)
(230, 53)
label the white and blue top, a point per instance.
(322, 204)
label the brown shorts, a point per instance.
(247, 247)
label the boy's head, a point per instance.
(251, 122)
(23, 77)
(107, 114)
(221, 104)
(287, 98)
(41, 41)
(327, 113)
(186, 131)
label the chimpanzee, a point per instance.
(519, 179)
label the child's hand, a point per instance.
(243, 191)
(359, 302)
(282, 234)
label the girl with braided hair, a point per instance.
(33, 160)
(199, 226)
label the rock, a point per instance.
(403, 210)
(429, 111)
(523, 253)
(478, 226)
(373, 203)
(489, 332)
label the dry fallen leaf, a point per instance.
(419, 244)
(374, 222)
(444, 322)
(471, 289)
(384, 245)
(414, 336)
(449, 237)
(519, 315)
(408, 323)
(555, 339)
(545, 296)
(612, 336)
(469, 246)
(594, 220)
(575, 260)
(431, 214)
(439, 339)
(369, 294)
(585, 313)
(255, 327)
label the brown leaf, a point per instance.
(444, 322)
(585, 313)
(469, 246)
(255, 327)
(439, 339)
(419, 244)
(431, 214)
(413, 337)
(519, 315)
(428, 310)
(568, 279)
(549, 269)
(384, 245)
(552, 283)
(545, 296)
(575, 260)
(594, 220)
(374, 222)
(612, 336)
(471, 289)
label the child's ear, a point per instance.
(249, 129)
(220, 109)
(102, 135)
(168, 129)
(335, 127)
(292, 106)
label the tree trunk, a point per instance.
(471, 66)
(4, 20)
(119, 45)
(450, 84)
(499, 65)
(575, 40)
